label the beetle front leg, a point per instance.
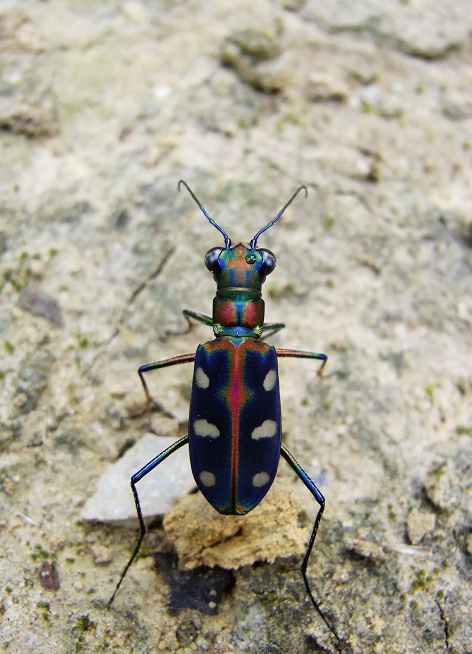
(272, 327)
(142, 526)
(304, 355)
(199, 317)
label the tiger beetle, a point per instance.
(234, 429)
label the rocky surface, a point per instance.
(103, 108)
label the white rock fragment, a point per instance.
(113, 499)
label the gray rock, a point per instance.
(113, 499)
(40, 303)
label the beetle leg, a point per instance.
(321, 501)
(142, 526)
(272, 327)
(150, 402)
(304, 355)
(196, 315)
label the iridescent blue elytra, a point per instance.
(234, 426)
(234, 431)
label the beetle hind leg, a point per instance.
(142, 526)
(321, 502)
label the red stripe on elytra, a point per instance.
(236, 395)
(236, 398)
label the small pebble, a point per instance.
(321, 87)
(49, 576)
(419, 523)
(102, 555)
(247, 52)
(40, 303)
(116, 390)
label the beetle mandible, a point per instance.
(234, 430)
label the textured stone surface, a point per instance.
(103, 108)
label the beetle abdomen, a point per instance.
(235, 423)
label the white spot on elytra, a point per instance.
(261, 479)
(201, 378)
(202, 427)
(266, 430)
(208, 478)
(269, 381)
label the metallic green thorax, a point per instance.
(238, 308)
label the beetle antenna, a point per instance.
(207, 215)
(274, 220)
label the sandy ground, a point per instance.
(103, 108)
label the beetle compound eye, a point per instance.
(268, 262)
(211, 259)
